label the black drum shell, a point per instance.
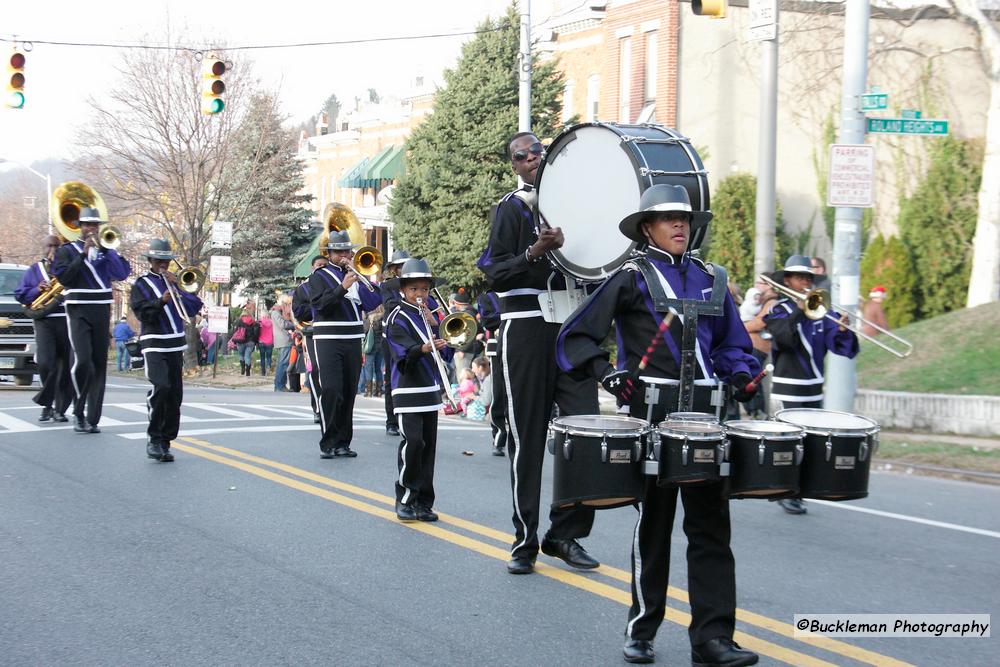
(844, 476)
(751, 479)
(671, 468)
(581, 477)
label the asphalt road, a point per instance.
(251, 550)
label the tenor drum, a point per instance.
(598, 460)
(838, 452)
(689, 452)
(765, 458)
(593, 175)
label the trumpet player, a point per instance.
(337, 333)
(86, 270)
(162, 310)
(52, 351)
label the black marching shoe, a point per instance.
(391, 430)
(344, 452)
(93, 429)
(59, 417)
(498, 451)
(153, 450)
(46, 415)
(569, 551)
(425, 513)
(639, 651)
(406, 513)
(793, 505)
(326, 454)
(167, 456)
(315, 418)
(721, 652)
(80, 426)
(521, 565)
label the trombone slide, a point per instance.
(439, 362)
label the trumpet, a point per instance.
(366, 262)
(457, 328)
(816, 306)
(439, 362)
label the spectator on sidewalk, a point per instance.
(282, 327)
(820, 278)
(479, 407)
(370, 382)
(265, 341)
(244, 336)
(874, 312)
(122, 333)
(208, 339)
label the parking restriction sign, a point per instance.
(852, 176)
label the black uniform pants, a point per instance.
(88, 336)
(53, 356)
(163, 402)
(339, 367)
(415, 460)
(313, 373)
(498, 409)
(533, 382)
(391, 418)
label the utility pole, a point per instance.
(766, 155)
(524, 70)
(841, 377)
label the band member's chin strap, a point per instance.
(690, 310)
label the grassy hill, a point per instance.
(957, 353)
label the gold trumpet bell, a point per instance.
(109, 236)
(191, 279)
(67, 200)
(458, 329)
(367, 260)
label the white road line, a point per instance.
(272, 428)
(209, 407)
(912, 519)
(15, 425)
(134, 407)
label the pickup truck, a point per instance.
(17, 331)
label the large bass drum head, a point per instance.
(586, 185)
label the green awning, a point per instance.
(366, 179)
(303, 269)
(351, 176)
(389, 168)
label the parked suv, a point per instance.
(17, 332)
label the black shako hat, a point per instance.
(662, 198)
(795, 264)
(339, 241)
(159, 249)
(91, 215)
(417, 268)
(398, 257)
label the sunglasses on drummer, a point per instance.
(535, 149)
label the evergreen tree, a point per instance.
(887, 262)
(270, 226)
(938, 222)
(456, 162)
(730, 240)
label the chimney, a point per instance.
(322, 125)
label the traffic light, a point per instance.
(213, 87)
(15, 80)
(714, 8)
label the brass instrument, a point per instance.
(190, 280)
(438, 361)
(47, 297)
(367, 261)
(340, 218)
(109, 237)
(457, 327)
(816, 306)
(65, 205)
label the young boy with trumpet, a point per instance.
(412, 333)
(162, 311)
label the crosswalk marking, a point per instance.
(208, 407)
(284, 428)
(15, 425)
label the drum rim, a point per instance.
(583, 431)
(663, 428)
(761, 435)
(819, 430)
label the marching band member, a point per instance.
(799, 346)
(302, 311)
(162, 339)
(389, 289)
(412, 333)
(86, 270)
(636, 300)
(52, 351)
(489, 318)
(337, 333)
(515, 268)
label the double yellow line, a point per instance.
(384, 508)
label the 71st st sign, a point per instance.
(918, 126)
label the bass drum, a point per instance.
(593, 175)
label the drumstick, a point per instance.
(664, 325)
(760, 376)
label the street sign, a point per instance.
(219, 268)
(873, 101)
(222, 234)
(852, 176)
(925, 126)
(763, 22)
(909, 114)
(218, 319)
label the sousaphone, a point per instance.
(67, 201)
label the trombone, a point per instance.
(190, 280)
(366, 262)
(438, 361)
(816, 306)
(457, 328)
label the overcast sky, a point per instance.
(59, 78)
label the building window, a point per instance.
(624, 78)
(650, 85)
(593, 96)
(567, 101)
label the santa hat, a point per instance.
(877, 291)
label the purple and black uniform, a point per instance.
(416, 388)
(303, 311)
(87, 284)
(723, 349)
(489, 318)
(798, 347)
(337, 334)
(52, 351)
(162, 340)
